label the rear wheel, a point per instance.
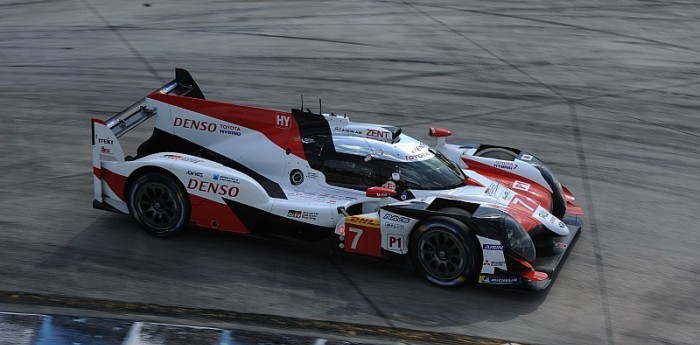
(159, 204)
(444, 252)
(498, 153)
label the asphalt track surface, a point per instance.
(606, 92)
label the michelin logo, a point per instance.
(494, 280)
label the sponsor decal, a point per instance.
(491, 189)
(225, 178)
(394, 226)
(184, 159)
(357, 220)
(505, 165)
(418, 148)
(230, 129)
(396, 218)
(105, 150)
(487, 246)
(345, 130)
(499, 280)
(213, 188)
(526, 158)
(194, 124)
(396, 242)
(194, 173)
(282, 121)
(499, 264)
(389, 184)
(312, 175)
(302, 214)
(521, 185)
(375, 133)
(419, 156)
(506, 196)
(105, 141)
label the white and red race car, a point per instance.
(462, 213)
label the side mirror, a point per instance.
(380, 192)
(439, 133)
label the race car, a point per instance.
(468, 213)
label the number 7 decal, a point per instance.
(521, 202)
(356, 237)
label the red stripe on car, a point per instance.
(278, 126)
(213, 215)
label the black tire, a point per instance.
(445, 252)
(159, 204)
(498, 153)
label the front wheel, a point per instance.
(444, 252)
(159, 204)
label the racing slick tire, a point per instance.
(159, 204)
(498, 153)
(444, 251)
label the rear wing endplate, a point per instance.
(127, 119)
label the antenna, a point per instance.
(302, 103)
(319, 107)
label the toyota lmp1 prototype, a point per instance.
(462, 213)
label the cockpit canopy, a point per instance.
(359, 163)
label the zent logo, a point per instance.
(375, 133)
(105, 141)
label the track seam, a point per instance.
(571, 26)
(362, 294)
(126, 43)
(593, 224)
(488, 51)
(579, 101)
(610, 111)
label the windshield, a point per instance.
(434, 173)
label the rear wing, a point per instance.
(127, 119)
(105, 134)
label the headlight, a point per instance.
(518, 239)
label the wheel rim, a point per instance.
(442, 254)
(157, 206)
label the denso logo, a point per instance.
(214, 188)
(395, 218)
(193, 124)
